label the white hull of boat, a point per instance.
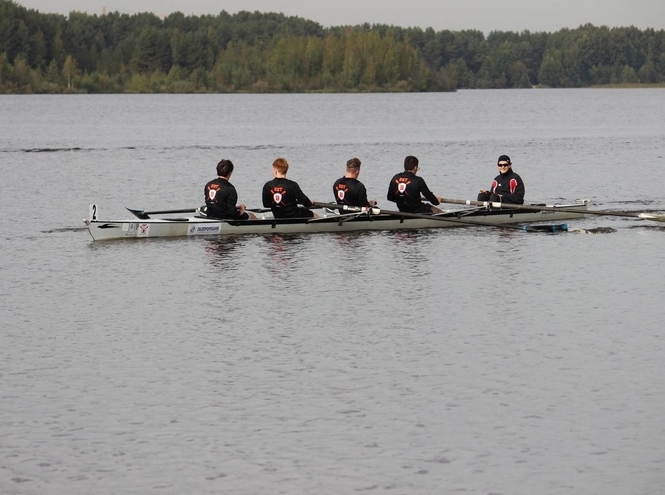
(332, 222)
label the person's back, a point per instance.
(406, 189)
(221, 196)
(507, 187)
(348, 190)
(282, 195)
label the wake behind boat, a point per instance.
(143, 225)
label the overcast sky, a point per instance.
(484, 15)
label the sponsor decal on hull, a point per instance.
(206, 229)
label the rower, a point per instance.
(406, 188)
(507, 187)
(348, 190)
(283, 196)
(221, 196)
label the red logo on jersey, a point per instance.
(341, 191)
(277, 195)
(513, 186)
(212, 191)
(402, 182)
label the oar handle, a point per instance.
(348, 208)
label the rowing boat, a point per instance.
(143, 225)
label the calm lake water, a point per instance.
(470, 360)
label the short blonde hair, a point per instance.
(281, 165)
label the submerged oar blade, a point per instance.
(558, 227)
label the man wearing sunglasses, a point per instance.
(507, 187)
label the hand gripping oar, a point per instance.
(567, 209)
(403, 214)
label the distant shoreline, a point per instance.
(273, 53)
(356, 92)
(628, 86)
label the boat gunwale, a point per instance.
(460, 214)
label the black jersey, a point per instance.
(282, 196)
(351, 192)
(221, 198)
(510, 187)
(406, 188)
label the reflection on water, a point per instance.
(223, 251)
(282, 252)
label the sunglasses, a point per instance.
(503, 165)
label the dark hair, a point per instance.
(410, 162)
(353, 164)
(224, 168)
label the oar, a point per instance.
(146, 214)
(505, 206)
(142, 214)
(403, 214)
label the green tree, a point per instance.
(390, 68)
(21, 74)
(58, 52)
(353, 62)
(647, 73)
(70, 72)
(38, 50)
(152, 51)
(628, 75)
(551, 72)
(333, 61)
(53, 72)
(5, 69)
(518, 75)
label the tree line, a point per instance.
(269, 52)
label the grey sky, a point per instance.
(485, 15)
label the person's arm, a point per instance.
(231, 203)
(302, 198)
(266, 196)
(391, 191)
(362, 195)
(429, 195)
(516, 194)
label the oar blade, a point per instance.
(138, 213)
(144, 215)
(651, 216)
(558, 227)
